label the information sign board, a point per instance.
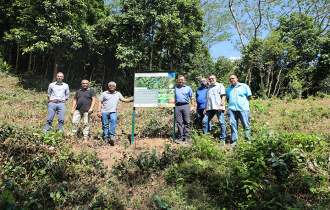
(154, 89)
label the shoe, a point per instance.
(186, 140)
(233, 144)
(179, 141)
(112, 141)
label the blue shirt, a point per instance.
(238, 97)
(58, 91)
(183, 94)
(200, 97)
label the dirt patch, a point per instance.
(122, 149)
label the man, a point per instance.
(182, 109)
(82, 107)
(57, 94)
(201, 101)
(238, 96)
(215, 105)
(107, 111)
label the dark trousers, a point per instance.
(182, 115)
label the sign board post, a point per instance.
(154, 89)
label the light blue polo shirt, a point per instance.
(238, 97)
(183, 94)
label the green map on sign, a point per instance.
(160, 83)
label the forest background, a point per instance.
(284, 44)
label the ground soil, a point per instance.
(122, 149)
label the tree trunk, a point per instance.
(55, 64)
(30, 62)
(230, 4)
(17, 57)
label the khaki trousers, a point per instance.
(77, 115)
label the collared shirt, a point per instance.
(110, 101)
(183, 94)
(213, 96)
(201, 97)
(238, 97)
(58, 91)
(84, 99)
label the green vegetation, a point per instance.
(285, 165)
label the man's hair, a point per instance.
(203, 79)
(212, 75)
(85, 80)
(112, 83)
(60, 73)
(181, 76)
(233, 75)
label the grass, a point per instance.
(285, 165)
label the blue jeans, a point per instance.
(52, 109)
(106, 117)
(221, 117)
(244, 116)
(200, 117)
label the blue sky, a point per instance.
(225, 49)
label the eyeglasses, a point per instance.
(211, 78)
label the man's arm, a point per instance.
(99, 114)
(250, 97)
(90, 111)
(192, 108)
(67, 93)
(223, 99)
(205, 108)
(127, 100)
(74, 103)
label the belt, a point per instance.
(180, 104)
(56, 102)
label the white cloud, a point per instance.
(234, 58)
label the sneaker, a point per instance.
(179, 141)
(112, 141)
(233, 144)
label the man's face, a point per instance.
(181, 81)
(212, 80)
(233, 80)
(112, 88)
(59, 77)
(84, 84)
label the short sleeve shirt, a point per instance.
(110, 101)
(213, 96)
(238, 97)
(84, 99)
(58, 91)
(200, 97)
(183, 94)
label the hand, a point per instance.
(220, 109)
(192, 108)
(99, 114)
(204, 112)
(90, 111)
(72, 111)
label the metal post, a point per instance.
(133, 125)
(174, 125)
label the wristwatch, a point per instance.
(222, 104)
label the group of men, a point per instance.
(82, 107)
(211, 101)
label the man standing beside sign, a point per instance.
(107, 111)
(201, 101)
(215, 105)
(182, 109)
